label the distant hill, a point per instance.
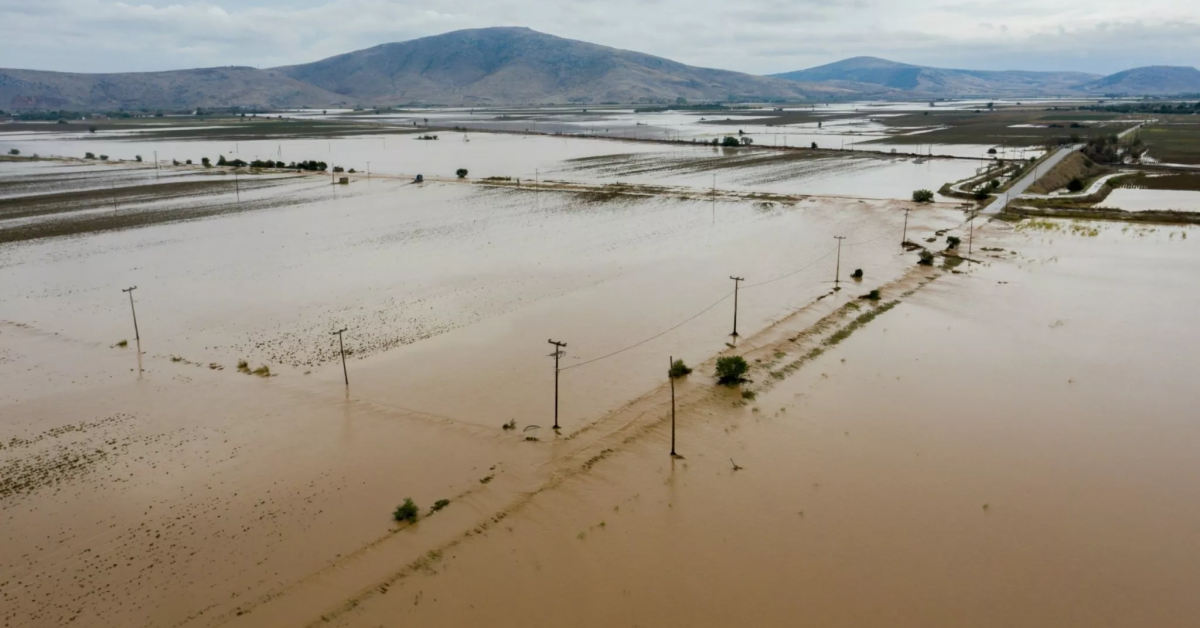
(942, 82)
(1153, 80)
(179, 89)
(522, 66)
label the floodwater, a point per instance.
(530, 157)
(891, 478)
(977, 456)
(1149, 200)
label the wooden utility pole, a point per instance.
(156, 169)
(904, 238)
(971, 238)
(237, 186)
(342, 350)
(558, 347)
(837, 273)
(671, 376)
(136, 335)
(737, 281)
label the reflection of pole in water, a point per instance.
(558, 347)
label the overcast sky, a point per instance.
(757, 36)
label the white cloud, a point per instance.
(757, 36)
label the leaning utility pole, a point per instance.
(342, 350)
(904, 238)
(737, 281)
(237, 187)
(156, 169)
(837, 273)
(971, 238)
(558, 347)
(137, 336)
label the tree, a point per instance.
(730, 141)
(926, 258)
(14, 152)
(407, 511)
(92, 129)
(137, 158)
(952, 242)
(89, 155)
(461, 172)
(991, 151)
(221, 160)
(814, 146)
(206, 162)
(679, 369)
(923, 196)
(746, 141)
(1075, 185)
(731, 369)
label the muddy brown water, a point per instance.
(189, 494)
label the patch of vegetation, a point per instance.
(730, 141)
(731, 370)
(407, 511)
(461, 172)
(679, 369)
(13, 151)
(749, 395)
(952, 242)
(262, 371)
(123, 344)
(438, 505)
(243, 367)
(922, 196)
(926, 258)
(872, 295)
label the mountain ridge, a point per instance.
(506, 66)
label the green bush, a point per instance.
(981, 194)
(679, 369)
(438, 505)
(407, 511)
(462, 173)
(1075, 185)
(731, 369)
(952, 242)
(206, 162)
(730, 141)
(89, 155)
(873, 295)
(926, 258)
(923, 196)
(14, 152)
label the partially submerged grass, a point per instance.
(122, 344)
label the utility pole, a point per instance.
(368, 171)
(971, 238)
(837, 273)
(558, 347)
(342, 350)
(156, 170)
(671, 376)
(136, 335)
(737, 281)
(904, 238)
(237, 187)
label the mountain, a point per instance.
(927, 81)
(1152, 80)
(179, 89)
(491, 66)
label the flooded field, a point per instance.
(212, 468)
(1147, 200)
